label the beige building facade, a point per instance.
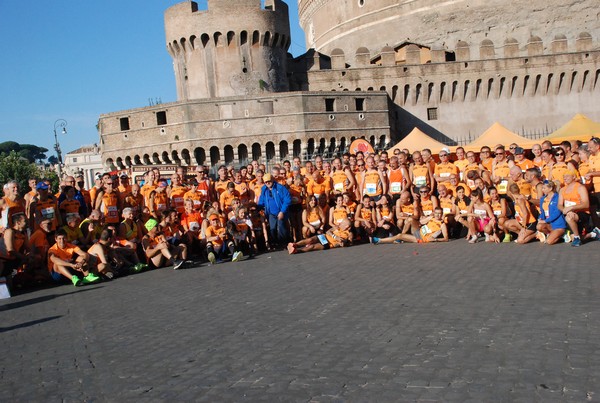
(378, 69)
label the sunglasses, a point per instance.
(557, 154)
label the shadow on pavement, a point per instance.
(20, 304)
(27, 324)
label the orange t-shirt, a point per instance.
(64, 254)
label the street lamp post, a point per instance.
(59, 124)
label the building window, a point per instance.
(432, 113)
(161, 118)
(124, 123)
(360, 104)
(329, 104)
(74, 159)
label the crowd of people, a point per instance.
(503, 194)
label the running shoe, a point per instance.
(541, 236)
(507, 238)
(576, 241)
(178, 264)
(567, 237)
(237, 256)
(375, 240)
(212, 258)
(76, 281)
(90, 279)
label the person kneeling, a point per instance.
(333, 238)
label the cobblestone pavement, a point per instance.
(438, 322)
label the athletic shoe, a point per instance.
(109, 275)
(487, 237)
(541, 236)
(138, 267)
(576, 241)
(237, 256)
(597, 232)
(507, 238)
(375, 240)
(567, 237)
(212, 258)
(90, 279)
(398, 241)
(178, 264)
(76, 281)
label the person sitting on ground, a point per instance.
(384, 218)
(313, 218)
(239, 228)
(333, 238)
(14, 247)
(74, 233)
(407, 211)
(69, 261)
(525, 223)
(551, 224)
(218, 242)
(433, 229)
(501, 213)
(481, 218)
(339, 212)
(159, 252)
(574, 201)
(364, 219)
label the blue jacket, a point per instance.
(554, 217)
(275, 200)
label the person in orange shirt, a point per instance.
(574, 202)
(15, 250)
(364, 219)
(407, 211)
(227, 197)
(68, 261)
(398, 179)
(158, 199)
(433, 229)
(318, 185)
(501, 170)
(124, 187)
(69, 206)
(420, 174)
(521, 161)
(12, 203)
(445, 168)
(338, 213)
(373, 182)
(218, 242)
(157, 250)
(342, 178)
(461, 162)
(149, 186)
(525, 223)
(44, 206)
(333, 238)
(176, 192)
(107, 202)
(536, 150)
(485, 158)
(313, 218)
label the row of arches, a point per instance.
(492, 87)
(242, 153)
(230, 39)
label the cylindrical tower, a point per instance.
(350, 24)
(232, 48)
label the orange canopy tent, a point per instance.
(497, 134)
(580, 127)
(417, 141)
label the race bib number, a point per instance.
(445, 175)
(427, 212)
(113, 211)
(371, 188)
(481, 213)
(339, 187)
(396, 187)
(48, 213)
(194, 226)
(497, 213)
(425, 230)
(446, 210)
(569, 203)
(420, 181)
(323, 239)
(503, 187)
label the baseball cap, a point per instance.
(150, 224)
(123, 175)
(267, 178)
(42, 185)
(213, 217)
(519, 150)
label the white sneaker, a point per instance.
(236, 256)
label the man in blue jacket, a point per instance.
(275, 199)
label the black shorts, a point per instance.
(532, 226)
(295, 208)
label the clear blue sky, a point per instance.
(78, 59)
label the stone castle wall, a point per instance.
(232, 48)
(343, 24)
(269, 128)
(528, 87)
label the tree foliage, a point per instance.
(15, 167)
(30, 152)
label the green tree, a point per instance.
(15, 167)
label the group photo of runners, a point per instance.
(503, 193)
